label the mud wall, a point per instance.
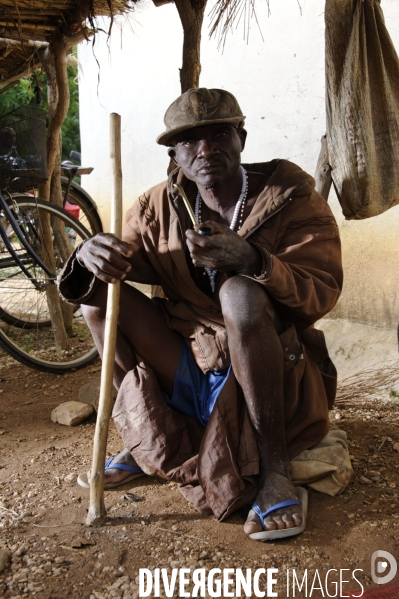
(279, 81)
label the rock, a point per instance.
(363, 480)
(71, 413)
(132, 497)
(21, 551)
(4, 559)
(90, 392)
(396, 447)
(70, 479)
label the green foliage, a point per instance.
(24, 93)
(19, 95)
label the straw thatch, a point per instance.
(38, 19)
(25, 25)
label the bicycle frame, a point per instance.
(14, 223)
(70, 171)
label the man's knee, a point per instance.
(244, 301)
(93, 315)
(94, 310)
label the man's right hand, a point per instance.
(106, 257)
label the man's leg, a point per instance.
(142, 329)
(257, 358)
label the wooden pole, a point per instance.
(97, 512)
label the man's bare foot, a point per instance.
(115, 475)
(274, 489)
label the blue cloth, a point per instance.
(195, 393)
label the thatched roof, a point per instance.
(27, 24)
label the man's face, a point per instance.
(209, 155)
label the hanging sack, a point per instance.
(362, 101)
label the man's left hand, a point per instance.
(224, 251)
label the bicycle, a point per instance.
(36, 239)
(75, 199)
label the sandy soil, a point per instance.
(54, 555)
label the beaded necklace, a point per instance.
(237, 216)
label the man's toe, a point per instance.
(288, 521)
(280, 522)
(272, 523)
(297, 519)
(252, 524)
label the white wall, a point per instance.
(279, 82)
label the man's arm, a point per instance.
(302, 271)
(106, 258)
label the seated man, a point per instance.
(224, 380)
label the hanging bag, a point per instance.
(362, 98)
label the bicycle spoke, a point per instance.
(25, 326)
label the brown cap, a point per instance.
(197, 107)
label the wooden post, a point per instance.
(53, 58)
(97, 512)
(191, 13)
(323, 171)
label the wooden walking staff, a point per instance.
(97, 512)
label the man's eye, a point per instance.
(188, 142)
(221, 134)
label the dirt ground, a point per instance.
(55, 555)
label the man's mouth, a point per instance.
(209, 167)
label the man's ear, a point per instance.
(172, 155)
(242, 134)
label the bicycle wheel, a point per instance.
(25, 331)
(87, 210)
(80, 205)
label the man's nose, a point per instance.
(206, 147)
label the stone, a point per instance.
(132, 497)
(90, 392)
(363, 480)
(21, 551)
(71, 413)
(4, 559)
(70, 479)
(396, 447)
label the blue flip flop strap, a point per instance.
(262, 515)
(109, 465)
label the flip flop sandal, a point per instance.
(83, 479)
(271, 535)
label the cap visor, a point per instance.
(166, 136)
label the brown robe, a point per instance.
(294, 229)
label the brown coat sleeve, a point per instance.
(142, 269)
(76, 284)
(302, 271)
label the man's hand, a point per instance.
(105, 256)
(224, 250)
